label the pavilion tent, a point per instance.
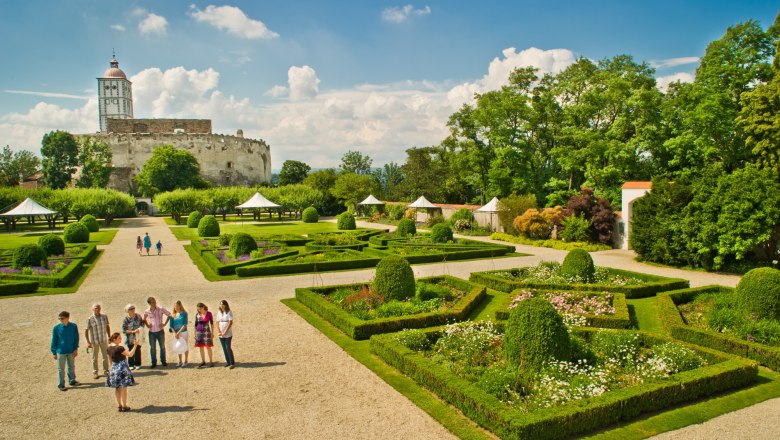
(371, 201)
(28, 208)
(258, 201)
(491, 207)
(423, 203)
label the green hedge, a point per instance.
(673, 324)
(575, 417)
(554, 244)
(311, 246)
(229, 269)
(620, 319)
(653, 284)
(383, 240)
(284, 268)
(90, 250)
(59, 280)
(358, 329)
(17, 287)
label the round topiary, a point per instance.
(76, 233)
(578, 263)
(758, 293)
(394, 278)
(534, 334)
(346, 221)
(52, 244)
(208, 226)
(193, 219)
(242, 243)
(441, 233)
(28, 255)
(405, 228)
(310, 215)
(90, 222)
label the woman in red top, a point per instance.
(204, 331)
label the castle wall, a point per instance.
(129, 126)
(224, 160)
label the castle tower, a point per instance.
(115, 95)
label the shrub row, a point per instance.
(620, 319)
(17, 287)
(229, 269)
(445, 255)
(383, 240)
(284, 268)
(90, 250)
(358, 329)
(554, 244)
(310, 246)
(673, 324)
(653, 284)
(58, 280)
(575, 417)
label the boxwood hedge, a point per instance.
(8, 287)
(230, 268)
(281, 267)
(58, 280)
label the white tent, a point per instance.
(28, 208)
(371, 200)
(422, 203)
(491, 207)
(258, 202)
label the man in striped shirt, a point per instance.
(153, 316)
(97, 334)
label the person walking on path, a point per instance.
(179, 330)
(120, 377)
(225, 332)
(131, 327)
(96, 334)
(153, 317)
(65, 348)
(139, 244)
(204, 330)
(159, 247)
(147, 245)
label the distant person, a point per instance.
(204, 329)
(147, 245)
(96, 334)
(131, 327)
(139, 244)
(153, 317)
(225, 332)
(159, 247)
(179, 330)
(120, 377)
(65, 348)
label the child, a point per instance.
(159, 247)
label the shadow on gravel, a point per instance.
(151, 409)
(149, 373)
(259, 364)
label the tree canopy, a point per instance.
(169, 169)
(60, 157)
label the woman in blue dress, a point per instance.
(120, 376)
(147, 243)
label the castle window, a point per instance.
(230, 164)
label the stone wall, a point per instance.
(129, 126)
(223, 159)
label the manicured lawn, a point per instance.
(184, 233)
(646, 312)
(12, 241)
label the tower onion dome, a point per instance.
(114, 71)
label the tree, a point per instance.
(323, 180)
(169, 169)
(293, 172)
(95, 161)
(355, 162)
(60, 157)
(390, 177)
(16, 166)
(422, 173)
(351, 188)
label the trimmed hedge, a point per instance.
(394, 278)
(242, 243)
(59, 280)
(346, 221)
(311, 246)
(17, 287)
(654, 284)
(534, 333)
(358, 329)
(578, 263)
(229, 269)
(759, 293)
(405, 228)
(28, 255)
(90, 222)
(193, 219)
(76, 233)
(620, 319)
(283, 268)
(52, 244)
(441, 233)
(208, 226)
(673, 324)
(310, 215)
(445, 255)
(575, 417)
(90, 250)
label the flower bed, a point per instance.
(328, 302)
(567, 398)
(675, 325)
(416, 254)
(223, 263)
(317, 261)
(56, 273)
(336, 240)
(605, 310)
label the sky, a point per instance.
(315, 79)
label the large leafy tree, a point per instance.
(59, 150)
(169, 169)
(390, 177)
(95, 161)
(351, 188)
(15, 166)
(355, 162)
(422, 174)
(323, 180)
(293, 172)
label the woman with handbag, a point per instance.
(179, 330)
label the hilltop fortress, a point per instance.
(223, 159)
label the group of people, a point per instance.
(146, 243)
(107, 345)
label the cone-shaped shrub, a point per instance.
(90, 222)
(441, 233)
(535, 333)
(52, 244)
(242, 243)
(194, 219)
(578, 263)
(310, 215)
(28, 255)
(758, 293)
(208, 226)
(405, 228)
(346, 221)
(76, 233)
(394, 278)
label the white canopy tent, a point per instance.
(258, 201)
(28, 208)
(371, 201)
(422, 203)
(491, 207)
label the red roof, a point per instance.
(638, 185)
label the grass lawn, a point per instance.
(646, 312)
(183, 233)
(12, 241)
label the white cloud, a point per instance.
(401, 14)
(303, 82)
(673, 62)
(662, 82)
(153, 24)
(277, 91)
(234, 21)
(118, 27)
(25, 130)
(47, 94)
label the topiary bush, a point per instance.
(758, 293)
(394, 278)
(76, 233)
(90, 222)
(242, 243)
(346, 221)
(462, 214)
(441, 233)
(310, 215)
(208, 226)
(28, 255)
(405, 228)
(578, 263)
(194, 219)
(534, 334)
(224, 239)
(52, 244)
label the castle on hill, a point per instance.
(223, 159)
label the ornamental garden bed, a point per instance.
(360, 312)
(9, 287)
(57, 273)
(585, 309)
(612, 376)
(315, 261)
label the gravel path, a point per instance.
(291, 382)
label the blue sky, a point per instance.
(314, 78)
